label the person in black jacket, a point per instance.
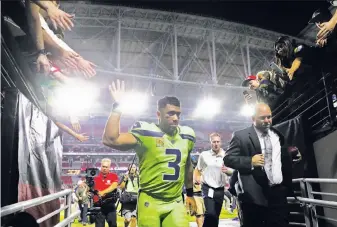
(264, 171)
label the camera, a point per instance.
(90, 174)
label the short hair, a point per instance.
(106, 160)
(168, 100)
(213, 134)
(256, 107)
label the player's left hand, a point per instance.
(191, 205)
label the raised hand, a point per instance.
(117, 91)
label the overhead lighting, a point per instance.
(247, 110)
(207, 108)
(134, 103)
(75, 98)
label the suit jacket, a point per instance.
(253, 183)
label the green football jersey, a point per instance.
(162, 159)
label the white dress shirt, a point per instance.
(210, 164)
(276, 155)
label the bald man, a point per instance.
(264, 168)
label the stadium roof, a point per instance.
(170, 53)
(168, 45)
(288, 17)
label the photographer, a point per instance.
(106, 184)
(130, 187)
(83, 200)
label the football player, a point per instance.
(163, 151)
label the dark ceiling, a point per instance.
(288, 17)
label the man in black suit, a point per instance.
(265, 171)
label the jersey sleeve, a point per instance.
(136, 131)
(192, 139)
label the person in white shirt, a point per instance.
(212, 174)
(264, 171)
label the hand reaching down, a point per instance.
(43, 63)
(69, 59)
(59, 18)
(86, 67)
(325, 29)
(81, 137)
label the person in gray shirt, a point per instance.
(83, 200)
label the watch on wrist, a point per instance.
(43, 52)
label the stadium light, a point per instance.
(134, 103)
(207, 108)
(247, 110)
(74, 98)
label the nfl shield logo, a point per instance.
(159, 142)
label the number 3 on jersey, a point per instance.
(174, 165)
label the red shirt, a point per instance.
(102, 183)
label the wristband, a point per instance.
(54, 69)
(115, 108)
(189, 192)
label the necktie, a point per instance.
(268, 157)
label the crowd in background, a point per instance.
(297, 64)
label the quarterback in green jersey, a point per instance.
(163, 151)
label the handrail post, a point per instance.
(68, 209)
(312, 207)
(306, 211)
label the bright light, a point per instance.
(247, 110)
(134, 103)
(76, 97)
(207, 108)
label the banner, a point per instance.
(40, 159)
(295, 141)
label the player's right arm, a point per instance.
(112, 137)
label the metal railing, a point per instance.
(313, 100)
(308, 202)
(21, 206)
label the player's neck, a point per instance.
(170, 133)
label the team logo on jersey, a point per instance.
(159, 142)
(146, 204)
(108, 182)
